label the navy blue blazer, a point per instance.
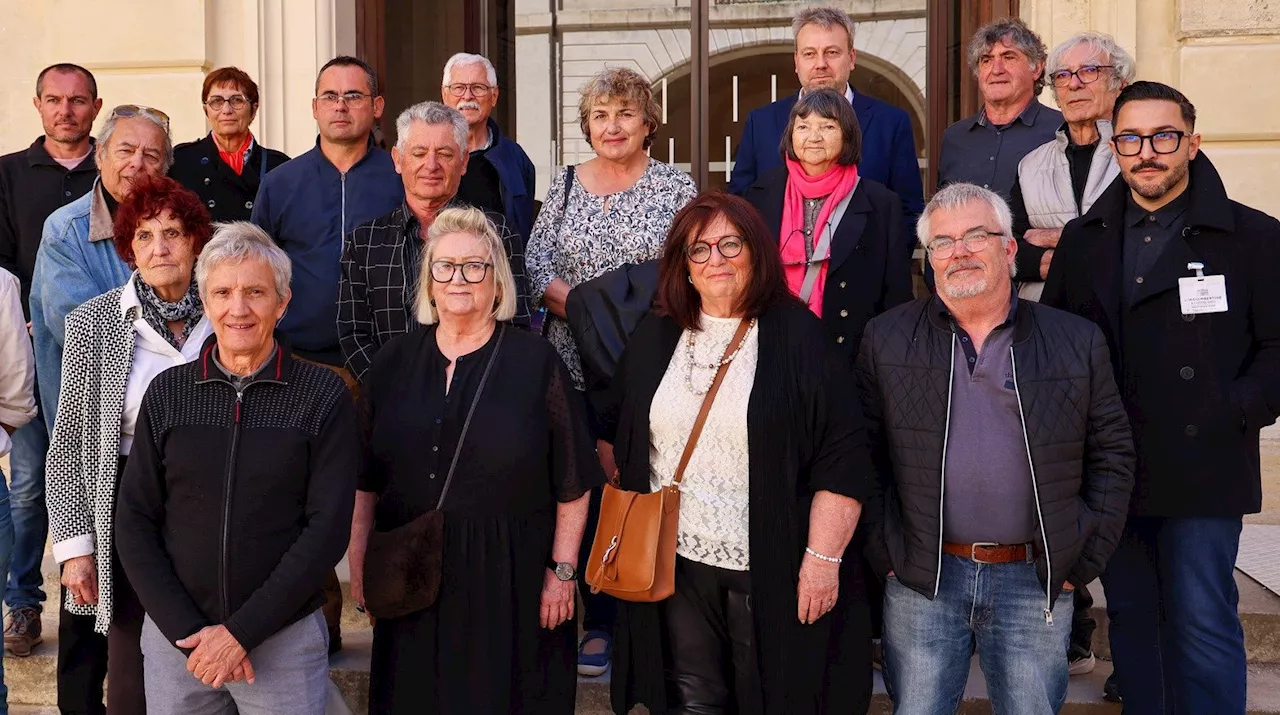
(888, 152)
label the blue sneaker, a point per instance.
(596, 663)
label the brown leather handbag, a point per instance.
(633, 555)
(403, 566)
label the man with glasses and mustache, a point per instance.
(77, 261)
(55, 170)
(1061, 179)
(499, 176)
(1005, 463)
(1183, 282)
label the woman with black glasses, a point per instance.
(836, 230)
(227, 165)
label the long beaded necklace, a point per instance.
(689, 343)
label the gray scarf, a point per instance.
(159, 313)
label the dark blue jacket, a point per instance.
(518, 178)
(888, 152)
(307, 206)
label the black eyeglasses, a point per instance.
(1161, 142)
(351, 99)
(974, 241)
(460, 90)
(700, 251)
(237, 102)
(472, 271)
(805, 238)
(1087, 75)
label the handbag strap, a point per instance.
(822, 251)
(707, 400)
(457, 450)
(568, 185)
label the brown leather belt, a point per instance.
(989, 553)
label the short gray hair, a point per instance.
(239, 241)
(827, 17)
(1019, 36)
(462, 59)
(109, 129)
(432, 114)
(472, 222)
(1101, 45)
(958, 195)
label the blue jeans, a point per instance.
(30, 519)
(6, 547)
(997, 609)
(1175, 632)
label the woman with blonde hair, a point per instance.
(477, 421)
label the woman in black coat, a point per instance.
(771, 495)
(816, 195)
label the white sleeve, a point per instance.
(17, 362)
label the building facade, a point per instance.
(157, 54)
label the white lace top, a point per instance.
(714, 501)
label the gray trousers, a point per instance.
(291, 669)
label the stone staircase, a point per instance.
(32, 690)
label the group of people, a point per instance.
(247, 366)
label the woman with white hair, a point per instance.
(236, 501)
(472, 497)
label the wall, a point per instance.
(157, 53)
(1218, 53)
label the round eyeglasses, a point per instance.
(472, 271)
(1087, 75)
(237, 103)
(944, 247)
(700, 251)
(478, 90)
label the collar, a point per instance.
(370, 146)
(278, 368)
(941, 310)
(848, 92)
(1104, 135)
(1208, 205)
(1135, 215)
(129, 300)
(1027, 116)
(101, 227)
(409, 222)
(37, 155)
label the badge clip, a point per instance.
(1197, 267)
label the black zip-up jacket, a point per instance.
(32, 186)
(234, 507)
(1074, 424)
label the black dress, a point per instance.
(479, 648)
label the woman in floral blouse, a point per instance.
(610, 211)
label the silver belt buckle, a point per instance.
(973, 552)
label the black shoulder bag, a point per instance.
(402, 567)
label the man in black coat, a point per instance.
(1198, 363)
(1006, 464)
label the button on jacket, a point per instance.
(1198, 388)
(32, 186)
(228, 196)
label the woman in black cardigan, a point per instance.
(768, 615)
(863, 272)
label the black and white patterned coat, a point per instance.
(84, 449)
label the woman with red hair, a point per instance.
(115, 345)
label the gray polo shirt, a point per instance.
(978, 152)
(988, 496)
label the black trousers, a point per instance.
(82, 664)
(711, 633)
(1082, 623)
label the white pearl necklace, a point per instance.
(689, 344)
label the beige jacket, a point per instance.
(17, 363)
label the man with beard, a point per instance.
(1183, 282)
(55, 170)
(500, 177)
(1061, 179)
(1006, 499)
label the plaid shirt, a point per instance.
(380, 268)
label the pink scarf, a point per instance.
(836, 183)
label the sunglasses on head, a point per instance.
(138, 110)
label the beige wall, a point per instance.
(157, 53)
(1220, 54)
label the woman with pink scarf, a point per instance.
(836, 230)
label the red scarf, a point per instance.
(235, 159)
(835, 184)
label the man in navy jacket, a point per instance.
(824, 58)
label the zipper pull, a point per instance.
(239, 399)
(1048, 617)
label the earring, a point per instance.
(690, 279)
(433, 302)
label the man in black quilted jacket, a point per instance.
(1005, 461)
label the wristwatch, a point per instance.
(563, 571)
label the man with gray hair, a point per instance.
(824, 58)
(381, 258)
(1007, 59)
(500, 177)
(1061, 179)
(1004, 500)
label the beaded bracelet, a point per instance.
(823, 557)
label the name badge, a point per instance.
(1203, 294)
